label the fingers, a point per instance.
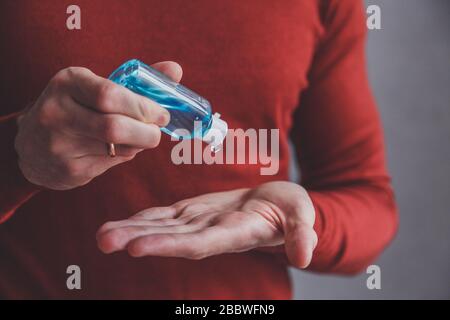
(198, 237)
(119, 129)
(122, 151)
(105, 96)
(115, 236)
(118, 115)
(137, 221)
(81, 147)
(168, 245)
(193, 245)
(113, 128)
(156, 213)
(171, 69)
(219, 233)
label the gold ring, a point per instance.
(111, 149)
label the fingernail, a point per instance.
(163, 119)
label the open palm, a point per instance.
(216, 223)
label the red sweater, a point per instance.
(294, 65)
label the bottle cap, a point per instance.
(216, 133)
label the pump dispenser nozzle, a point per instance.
(216, 133)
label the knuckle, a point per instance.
(155, 138)
(143, 110)
(106, 96)
(66, 75)
(71, 72)
(55, 146)
(59, 79)
(47, 115)
(151, 112)
(111, 129)
(74, 72)
(73, 169)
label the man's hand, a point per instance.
(234, 221)
(61, 138)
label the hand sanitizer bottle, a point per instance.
(188, 110)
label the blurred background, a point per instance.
(409, 69)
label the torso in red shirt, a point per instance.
(248, 58)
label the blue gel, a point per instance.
(188, 110)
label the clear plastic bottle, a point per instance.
(188, 110)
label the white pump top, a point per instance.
(216, 133)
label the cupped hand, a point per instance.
(272, 214)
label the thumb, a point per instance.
(300, 242)
(170, 68)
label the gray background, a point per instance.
(409, 68)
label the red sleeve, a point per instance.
(15, 190)
(339, 145)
